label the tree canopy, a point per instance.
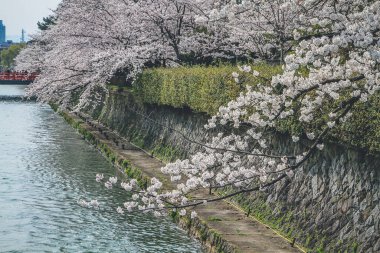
(7, 56)
(47, 22)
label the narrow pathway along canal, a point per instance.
(45, 168)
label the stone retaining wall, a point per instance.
(331, 205)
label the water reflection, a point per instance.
(45, 167)
(12, 90)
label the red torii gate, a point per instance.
(18, 76)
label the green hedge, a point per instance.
(202, 89)
(205, 89)
(362, 130)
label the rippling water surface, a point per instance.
(45, 168)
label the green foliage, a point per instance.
(355, 247)
(46, 22)
(174, 215)
(166, 153)
(362, 130)
(202, 89)
(53, 106)
(7, 56)
(214, 218)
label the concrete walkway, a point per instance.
(243, 233)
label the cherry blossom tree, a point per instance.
(91, 40)
(331, 56)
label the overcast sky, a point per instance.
(19, 14)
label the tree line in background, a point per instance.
(8, 56)
(329, 51)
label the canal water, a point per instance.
(45, 168)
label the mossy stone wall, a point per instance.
(332, 203)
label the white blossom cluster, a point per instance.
(91, 204)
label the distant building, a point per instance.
(6, 44)
(2, 32)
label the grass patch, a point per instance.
(214, 218)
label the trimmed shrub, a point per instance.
(202, 89)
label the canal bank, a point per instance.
(45, 169)
(331, 203)
(220, 227)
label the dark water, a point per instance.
(45, 168)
